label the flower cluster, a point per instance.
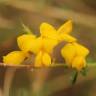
(42, 47)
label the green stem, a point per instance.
(51, 66)
(65, 65)
(91, 65)
(58, 65)
(74, 77)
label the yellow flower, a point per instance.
(50, 37)
(49, 45)
(43, 44)
(42, 59)
(66, 38)
(62, 34)
(68, 52)
(29, 43)
(43, 47)
(81, 50)
(66, 28)
(74, 55)
(48, 40)
(78, 63)
(36, 45)
(15, 57)
(25, 42)
(48, 31)
(64, 31)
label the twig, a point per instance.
(31, 66)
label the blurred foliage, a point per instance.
(55, 84)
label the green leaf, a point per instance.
(84, 71)
(74, 77)
(26, 29)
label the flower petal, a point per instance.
(15, 57)
(25, 42)
(81, 50)
(79, 63)
(66, 38)
(48, 31)
(68, 52)
(65, 28)
(37, 45)
(38, 60)
(46, 59)
(49, 44)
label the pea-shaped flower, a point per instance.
(25, 42)
(42, 59)
(74, 55)
(14, 58)
(42, 46)
(49, 45)
(37, 45)
(61, 34)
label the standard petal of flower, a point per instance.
(25, 42)
(46, 59)
(48, 31)
(79, 63)
(68, 52)
(65, 28)
(66, 38)
(81, 50)
(49, 44)
(38, 60)
(37, 45)
(15, 57)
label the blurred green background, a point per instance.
(32, 13)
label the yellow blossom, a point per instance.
(66, 38)
(42, 59)
(15, 57)
(81, 50)
(74, 55)
(36, 45)
(66, 28)
(44, 44)
(49, 44)
(25, 42)
(48, 40)
(68, 52)
(43, 48)
(78, 63)
(48, 31)
(28, 43)
(62, 34)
